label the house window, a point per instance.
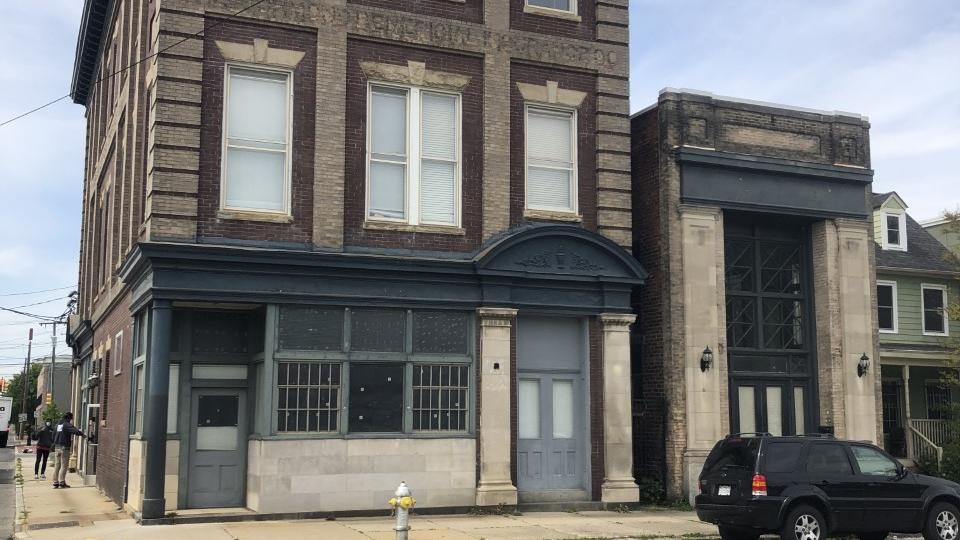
(403, 371)
(413, 156)
(933, 303)
(938, 401)
(308, 397)
(256, 163)
(551, 156)
(887, 306)
(895, 231)
(118, 346)
(560, 5)
(138, 377)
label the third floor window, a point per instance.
(413, 156)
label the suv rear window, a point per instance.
(781, 457)
(733, 452)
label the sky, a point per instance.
(894, 61)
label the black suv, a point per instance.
(812, 487)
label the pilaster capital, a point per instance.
(491, 316)
(617, 322)
(699, 211)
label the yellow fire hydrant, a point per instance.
(402, 502)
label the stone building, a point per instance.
(752, 220)
(329, 245)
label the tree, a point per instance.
(15, 390)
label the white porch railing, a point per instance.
(938, 431)
(921, 446)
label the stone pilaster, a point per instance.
(328, 186)
(702, 301)
(495, 485)
(618, 482)
(496, 127)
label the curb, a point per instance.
(20, 521)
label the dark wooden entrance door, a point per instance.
(769, 326)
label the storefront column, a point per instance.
(618, 483)
(155, 410)
(495, 485)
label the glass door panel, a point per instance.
(774, 410)
(748, 409)
(528, 406)
(563, 409)
(799, 417)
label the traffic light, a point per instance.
(3, 385)
(49, 398)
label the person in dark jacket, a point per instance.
(62, 445)
(44, 439)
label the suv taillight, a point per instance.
(759, 485)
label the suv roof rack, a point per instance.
(750, 434)
(818, 435)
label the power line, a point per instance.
(138, 62)
(40, 303)
(38, 292)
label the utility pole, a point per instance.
(53, 358)
(25, 387)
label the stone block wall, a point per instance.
(358, 474)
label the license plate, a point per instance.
(724, 491)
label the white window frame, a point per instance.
(414, 150)
(575, 155)
(923, 309)
(225, 135)
(896, 312)
(571, 11)
(118, 352)
(902, 217)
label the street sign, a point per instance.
(23, 417)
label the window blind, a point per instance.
(388, 153)
(257, 139)
(438, 169)
(550, 160)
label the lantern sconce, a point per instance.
(863, 365)
(706, 359)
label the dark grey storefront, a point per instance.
(270, 345)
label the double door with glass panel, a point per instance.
(769, 406)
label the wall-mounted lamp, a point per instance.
(863, 365)
(706, 359)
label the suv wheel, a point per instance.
(942, 522)
(806, 523)
(738, 533)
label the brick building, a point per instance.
(329, 245)
(754, 222)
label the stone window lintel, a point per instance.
(260, 52)
(415, 74)
(551, 94)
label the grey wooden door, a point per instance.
(548, 436)
(218, 448)
(551, 404)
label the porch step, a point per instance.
(910, 464)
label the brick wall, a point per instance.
(586, 138)
(597, 464)
(472, 149)
(209, 225)
(466, 10)
(115, 398)
(648, 353)
(546, 24)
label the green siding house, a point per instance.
(916, 281)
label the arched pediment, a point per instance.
(555, 251)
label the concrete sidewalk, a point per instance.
(82, 513)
